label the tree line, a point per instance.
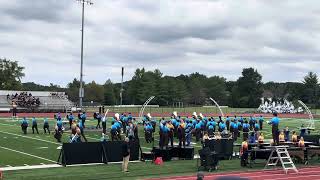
(191, 90)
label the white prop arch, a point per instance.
(143, 107)
(311, 124)
(105, 115)
(222, 114)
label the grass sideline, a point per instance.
(45, 146)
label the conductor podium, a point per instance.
(174, 152)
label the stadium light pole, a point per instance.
(121, 90)
(81, 90)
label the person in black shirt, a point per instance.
(125, 155)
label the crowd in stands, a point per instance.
(24, 99)
(60, 95)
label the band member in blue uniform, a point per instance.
(171, 132)
(275, 128)
(198, 131)
(124, 122)
(46, 126)
(235, 131)
(148, 129)
(70, 118)
(130, 118)
(231, 126)
(83, 118)
(182, 134)
(81, 127)
(211, 127)
(245, 129)
(252, 138)
(114, 131)
(228, 123)
(286, 134)
(251, 122)
(239, 127)
(188, 131)
(165, 136)
(241, 120)
(261, 122)
(256, 130)
(98, 117)
(34, 125)
(58, 130)
(222, 126)
(24, 125)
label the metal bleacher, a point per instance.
(49, 101)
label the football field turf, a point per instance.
(17, 149)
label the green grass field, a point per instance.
(17, 149)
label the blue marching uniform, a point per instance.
(70, 118)
(198, 131)
(235, 131)
(275, 129)
(261, 122)
(188, 133)
(34, 125)
(245, 129)
(222, 126)
(46, 126)
(228, 123)
(24, 125)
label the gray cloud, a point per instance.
(43, 10)
(279, 38)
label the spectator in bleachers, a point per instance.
(14, 109)
(25, 100)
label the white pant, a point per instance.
(125, 163)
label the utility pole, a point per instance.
(81, 90)
(121, 91)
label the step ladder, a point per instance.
(280, 154)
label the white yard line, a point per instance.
(30, 137)
(7, 124)
(27, 154)
(30, 167)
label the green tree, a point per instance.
(10, 75)
(93, 92)
(311, 88)
(109, 94)
(197, 88)
(73, 90)
(249, 87)
(217, 89)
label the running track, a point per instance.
(310, 173)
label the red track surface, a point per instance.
(304, 174)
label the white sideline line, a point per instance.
(27, 154)
(30, 167)
(30, 137)
(92, 164)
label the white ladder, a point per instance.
(282, 156)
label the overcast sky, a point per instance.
(213, 37)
